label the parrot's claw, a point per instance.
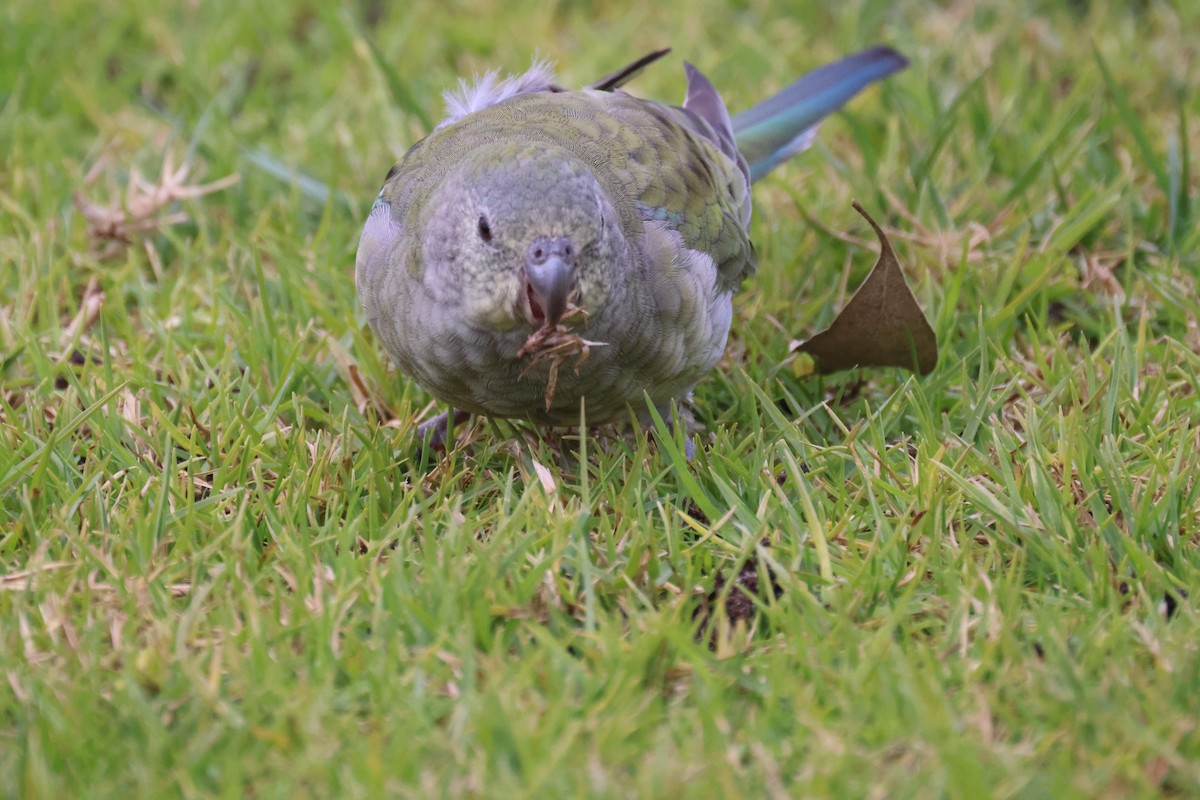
(433, 433)
(682, 416)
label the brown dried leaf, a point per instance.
(881, 326)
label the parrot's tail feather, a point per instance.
(615, 80)
(781, 126)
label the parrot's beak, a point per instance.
(550, 285)
(550, 277)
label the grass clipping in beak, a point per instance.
(556, 343)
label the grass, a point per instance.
(223, 573)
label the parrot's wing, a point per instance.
(688, 180)
(704, 103)
(702, 190)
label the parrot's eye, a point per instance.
(485, 230)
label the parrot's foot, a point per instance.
(681, 414)
(433, 433)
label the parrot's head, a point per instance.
(526, 233)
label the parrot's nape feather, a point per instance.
(489, 89)
(615, 80)
(780, 127)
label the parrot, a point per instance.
(564, 256)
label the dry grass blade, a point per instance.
(556, 344)
(145, 208)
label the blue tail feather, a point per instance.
(781, 126)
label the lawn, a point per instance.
(224, 570)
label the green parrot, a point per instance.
(546, 249)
